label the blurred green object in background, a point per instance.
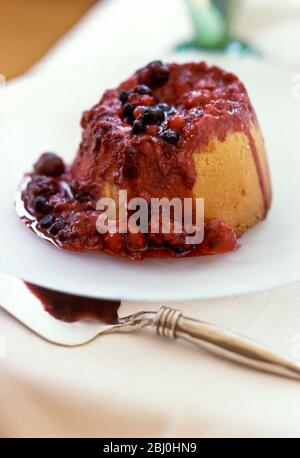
(212, 21)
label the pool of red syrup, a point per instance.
(70, 308)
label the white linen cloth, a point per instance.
(140, 385)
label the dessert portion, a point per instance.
(170, 130)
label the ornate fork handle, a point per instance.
(171, 323)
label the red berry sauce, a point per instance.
(70, 308)
(140, 137)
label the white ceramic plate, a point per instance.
(40, 114)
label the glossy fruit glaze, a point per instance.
(141, 137)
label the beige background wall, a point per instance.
(28, 28)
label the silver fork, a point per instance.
(171, 323)
(16, 299)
